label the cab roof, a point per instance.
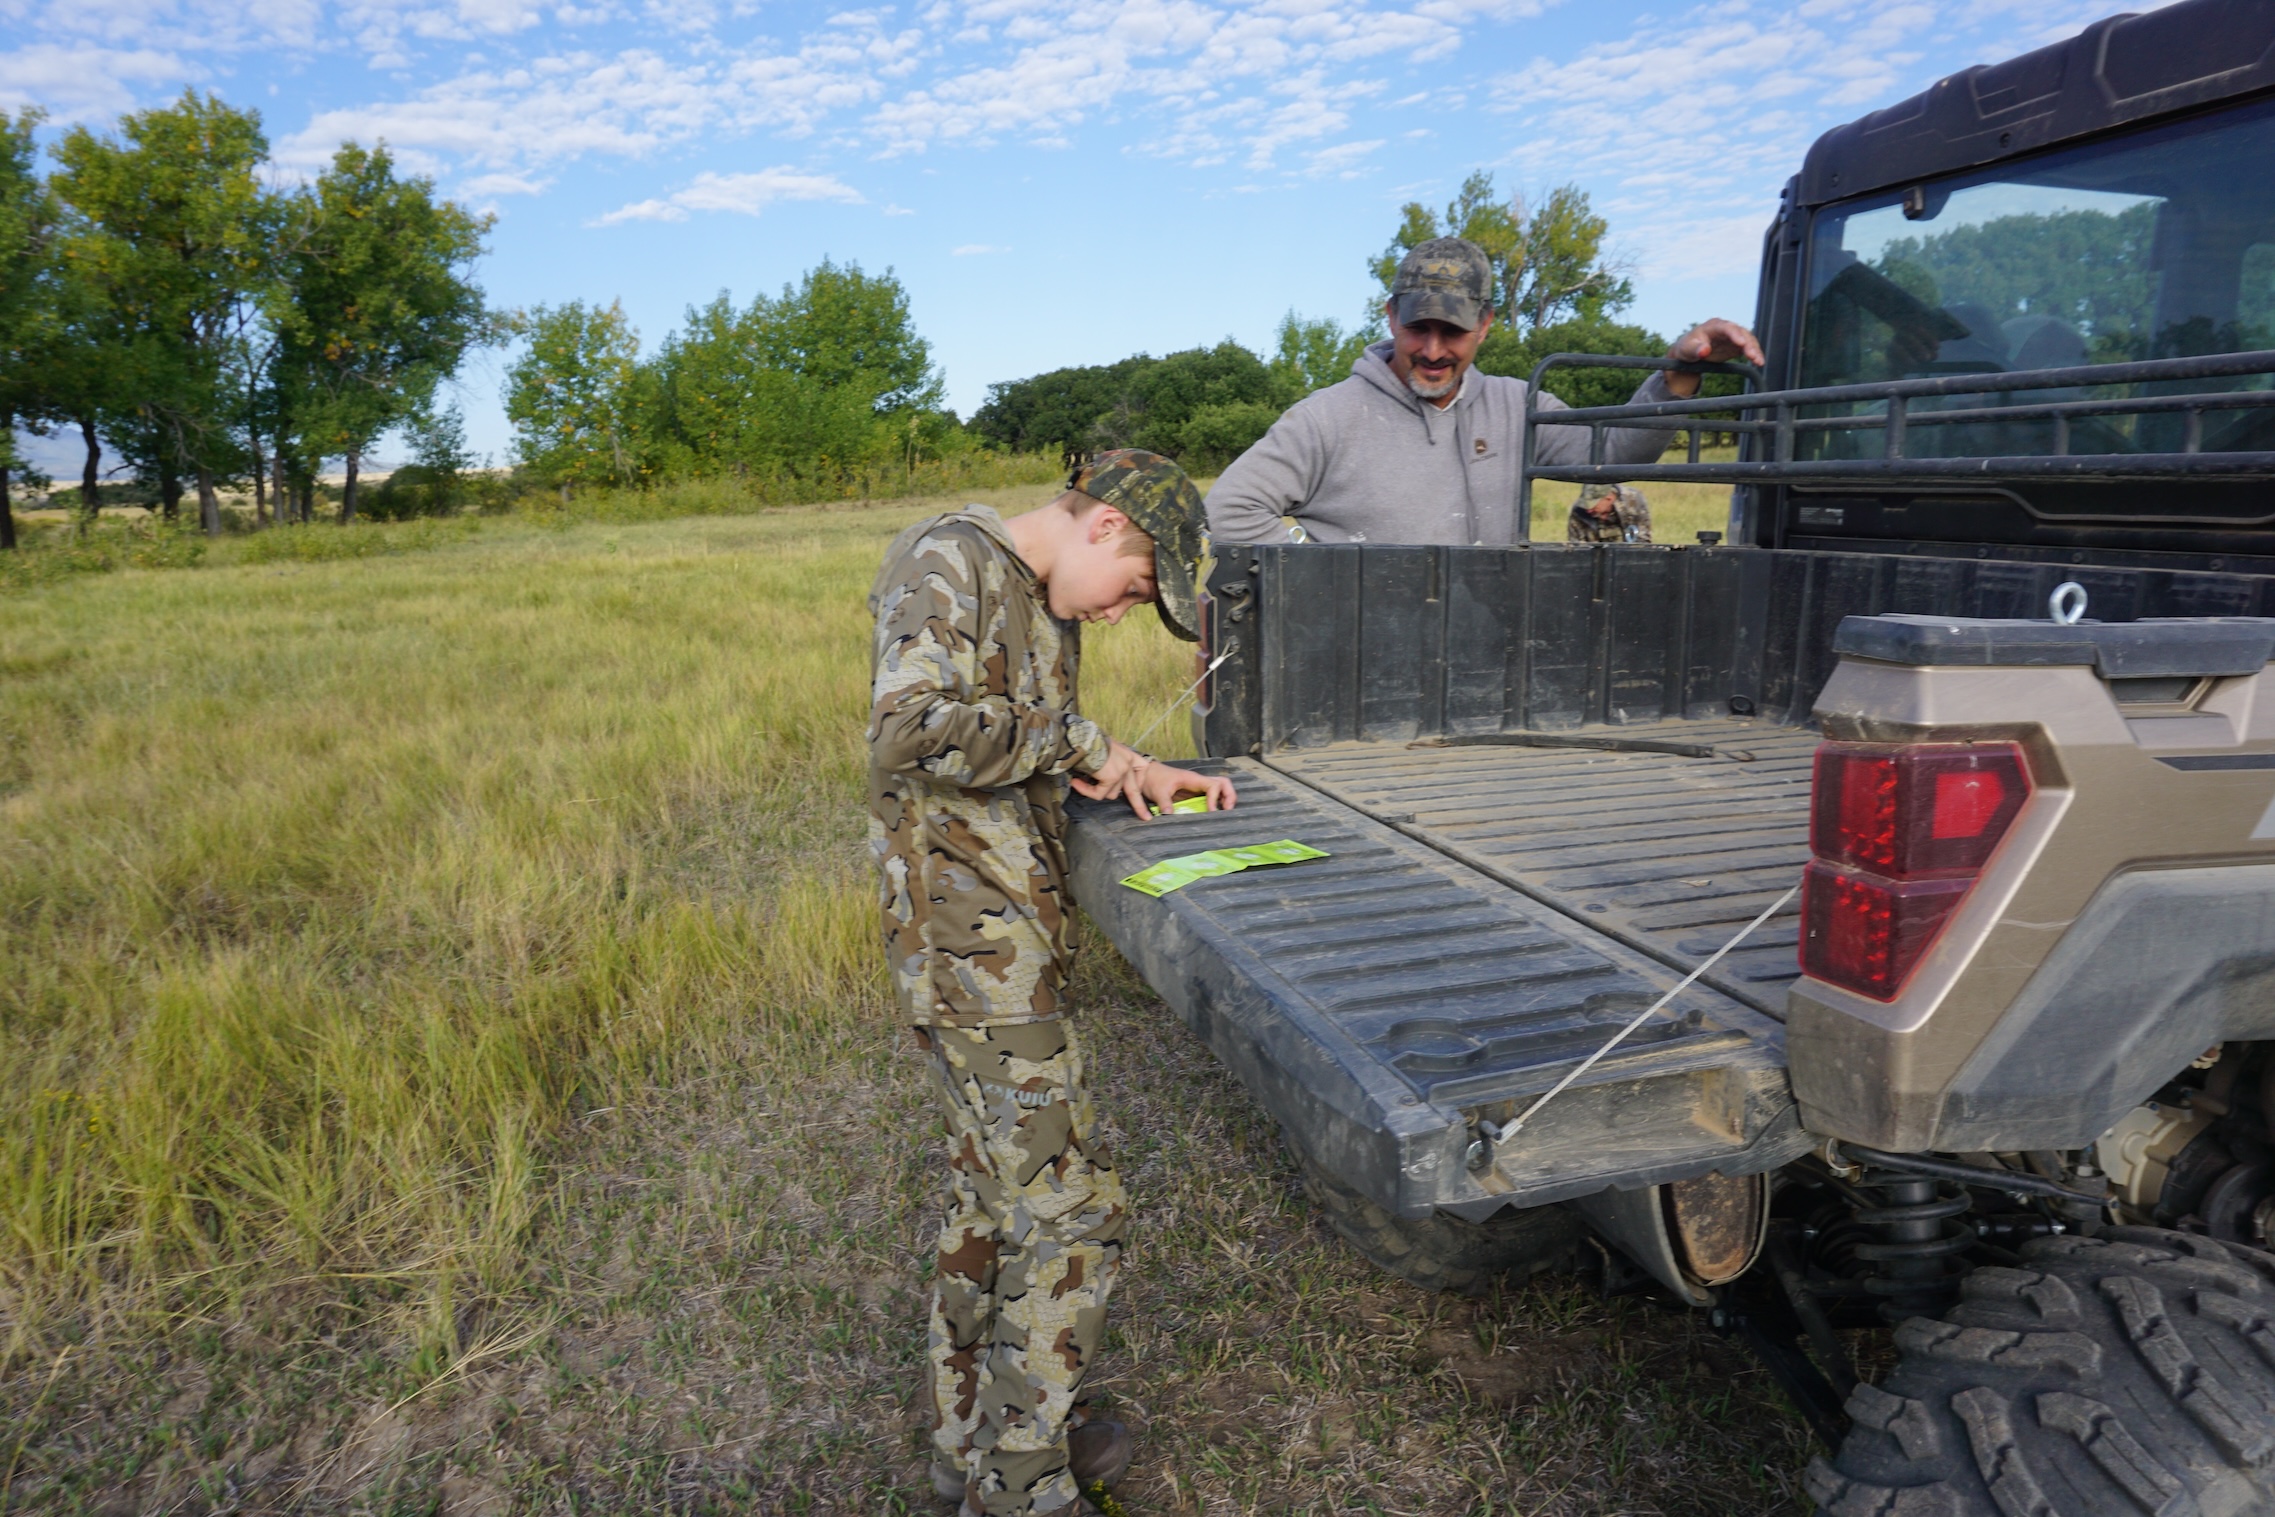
(2125, 69)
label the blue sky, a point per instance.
(1056, 181)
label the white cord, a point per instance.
(1504, 1133)
(1171, 709)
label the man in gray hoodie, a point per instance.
(1416, 447)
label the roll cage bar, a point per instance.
(1777, 432)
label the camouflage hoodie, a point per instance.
(972, 732)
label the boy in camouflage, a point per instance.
(1609, 514)
(974, 737)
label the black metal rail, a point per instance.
(1780, 432)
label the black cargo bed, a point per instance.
(1380, 1001)
(1669, 836)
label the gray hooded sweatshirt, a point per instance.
(1369, 461)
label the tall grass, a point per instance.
(328, 888)
(49, 551)
(332, 889)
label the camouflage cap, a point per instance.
(1161, 499)
(1446, 279)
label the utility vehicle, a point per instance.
(1981, 676)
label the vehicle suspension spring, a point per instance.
(1915, 1240)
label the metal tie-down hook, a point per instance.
(2067, 604)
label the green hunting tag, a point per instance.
(1175, 874)
(1186, 807)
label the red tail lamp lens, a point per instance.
(1868, 934)
(1919, 811)
(1900, 832)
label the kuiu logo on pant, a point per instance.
(1022, 1097)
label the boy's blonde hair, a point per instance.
(1133, 541)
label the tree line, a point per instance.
(828, 383)
(164, 293)
(1557, 288)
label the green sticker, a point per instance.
(1286, 851)
(1189, 806)
(1175, 874)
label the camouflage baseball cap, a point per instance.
(1445, 279)
(1161, 499)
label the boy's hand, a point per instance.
(1147, 782)
(1158, 786)
(1107, 782)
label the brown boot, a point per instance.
(947, 1479)
(1095, 1451)
(971, 1507)
(1099, 1451)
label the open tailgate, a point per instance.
(1381, 1001)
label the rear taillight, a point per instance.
(1900, 832)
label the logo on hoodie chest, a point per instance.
(1478, 447)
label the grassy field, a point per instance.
(444, 1067)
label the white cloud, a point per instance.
(85, 83)
(1343, 158)
(1210, 69)
(491, 185)
(517, 87)
(744, 194)
(183, 26)
(1687, 118)
(561, 107)
(1705, 108)
(389, 33)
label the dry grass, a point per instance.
(443, 1067)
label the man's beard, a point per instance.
(1432, 389)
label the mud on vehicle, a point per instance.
(1922, 833)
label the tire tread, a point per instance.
(2132, 1372)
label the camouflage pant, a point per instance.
(1030, 1238)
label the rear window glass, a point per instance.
(2156, 245)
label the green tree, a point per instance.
(842, 328)
(1513, 351)
(1058, 410)
(176, 231)
(378, 303)
(1201, 406)
(738, 395)
(578, 398)
(88, 365)
(1313, 354)
(1549, 261)
(433, 482)
(827, 383)
(27, 295)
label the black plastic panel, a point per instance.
(2124, 650)
(1349, 643)
(2119, 71)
